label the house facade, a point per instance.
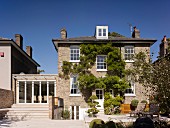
(68, 49)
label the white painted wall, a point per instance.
(5, 67)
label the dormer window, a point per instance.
(102, 32)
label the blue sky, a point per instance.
(38, 21)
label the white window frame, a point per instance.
(101, 94)
(71, 85)
(102, 28)
(71, 48)
(132, 87)
(101, 62)
(129, 46)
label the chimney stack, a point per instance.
(19, 40)
(63, 33)
(136, 33)
(29, 50)
(164, 39)
(163, 47)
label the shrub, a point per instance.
(111, 124)
(107, 110)
(96, 123)
(110, 103)
(93, 106)
(66, 114)
(144, 101)
(134, 103)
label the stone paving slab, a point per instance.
(43, 124)
(114, 118)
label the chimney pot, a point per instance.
(63, 33)
(19, 40)
(29, 50)
(164, 39)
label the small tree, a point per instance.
(93, 106)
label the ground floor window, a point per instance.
(99, 93)
(131, 90)
(35, 91)
(74, 90)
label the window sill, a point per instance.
(75, 95)
(74, 61)
(129, 61)
(101, 70)
(130, 95)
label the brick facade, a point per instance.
(6, 98)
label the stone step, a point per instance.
(26, 117)
(29, 105)
(27, 111)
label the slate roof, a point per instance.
(110, 38)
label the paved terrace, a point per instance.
(47, 123)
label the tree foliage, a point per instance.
(115, 34)
(115, 67)
(155, 77)
(114, 78)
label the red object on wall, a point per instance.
(1, 54)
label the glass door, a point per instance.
(21, 92)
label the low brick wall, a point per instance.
(6, 98)
(3, 112)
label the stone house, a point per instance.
(68, 49)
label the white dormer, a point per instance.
(102, 32)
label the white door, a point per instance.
(100, 95)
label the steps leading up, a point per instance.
(28, 111)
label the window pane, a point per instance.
(29, 92)
(129, 53)
(44, 91)
(100, 32)
(101, 62)
(36, 92)
(74, 87)
(104, 32)
(21, 92)
(131, 89)
(51, 88)
(74, 53)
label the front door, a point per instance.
(100, 96)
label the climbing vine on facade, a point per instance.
(114, 78)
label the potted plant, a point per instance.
(134, 104)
